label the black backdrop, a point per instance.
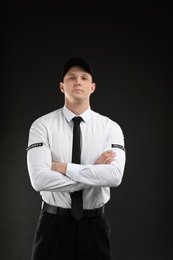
(129, 46)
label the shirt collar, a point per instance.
(69, 114)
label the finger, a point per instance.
(110, 160)
(110, 154)
(107, 158)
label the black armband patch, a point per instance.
(34, 145)
(118, 146)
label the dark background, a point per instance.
(129, 46)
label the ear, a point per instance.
(93, 87)
(61, 86)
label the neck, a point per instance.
(77, 109)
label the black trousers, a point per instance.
(62, 238)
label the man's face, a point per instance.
(77, 85)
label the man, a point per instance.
(53, 173)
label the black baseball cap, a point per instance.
(77, 61)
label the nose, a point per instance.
(78, 81)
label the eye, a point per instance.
(71, 77)
(84, 78)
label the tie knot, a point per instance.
(77, 120)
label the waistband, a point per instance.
(87, 213)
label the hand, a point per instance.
(59, 167)
(106, 157)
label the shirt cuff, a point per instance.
(72, 171)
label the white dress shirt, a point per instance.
(50, 139)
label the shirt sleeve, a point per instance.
(103, 175)
(39, 162)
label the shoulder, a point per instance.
(104, 119)
(48, 118)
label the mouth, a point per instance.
(77, 90)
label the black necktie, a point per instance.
(76, 197)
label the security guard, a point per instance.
(58, 234)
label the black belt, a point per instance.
(87, 213)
